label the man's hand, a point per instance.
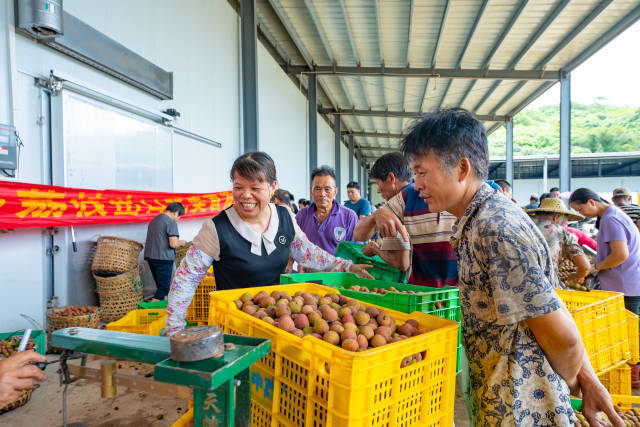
(389, 225)
(370, 249)
(361, 270)
(17, 374)
(595, 401)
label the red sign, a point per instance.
(32, 205)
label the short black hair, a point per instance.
(353, 184)
(583, 195)
(554, 189)
(503, 183)
(282, 195)
(175, 207)
(546, 196)
(450, 134)
(323, 170)
(255, 165)
(533, 198)
(393, 162)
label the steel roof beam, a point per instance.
(568, 39)
(325, 46)
(631, 18)
(445, 13)
(448, 73)
(402, 114)
(380, 53)
(483, 7)
(364, 147)
(496, 46)
(541, 29)
(375, 134)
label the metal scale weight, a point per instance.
(199, 363)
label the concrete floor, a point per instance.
(130, 408)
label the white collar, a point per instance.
(256, 239)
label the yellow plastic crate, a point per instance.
(617, 380)
(602, 321)
(634, 336)
(186, 420)
(198, 311)
(308, 382)
(146, 322)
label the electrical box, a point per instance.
(40, 18)
(8, 147)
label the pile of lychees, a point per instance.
(334, 318)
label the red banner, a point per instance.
(32, 205)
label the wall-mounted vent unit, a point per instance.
(40, 18)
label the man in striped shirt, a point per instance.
(433, 261)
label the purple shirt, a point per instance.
(337, 227)
(615, 225)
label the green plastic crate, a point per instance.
(380, 270)
(424, 300)
(39, 337)
(153, 305)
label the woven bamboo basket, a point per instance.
(22, 400)
(115, 255)
(55, 322)
(117, 305)
(121, 283)
(119, 294)
(180, 254)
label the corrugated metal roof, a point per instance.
(450, 44)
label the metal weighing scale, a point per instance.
(219, 386)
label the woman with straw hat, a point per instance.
(563, 245)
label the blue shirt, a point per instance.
(361, 207)
(337, 227)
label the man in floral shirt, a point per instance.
(524, 349)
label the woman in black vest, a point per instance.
(249, 243)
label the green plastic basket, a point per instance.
(39, 337)
(153, 305)
(424, 300)
(380, 270)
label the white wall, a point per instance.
(199, 44)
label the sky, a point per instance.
(612, 73)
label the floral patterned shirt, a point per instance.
(506, 277)
(196, 262)
(562, 244)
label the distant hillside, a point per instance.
(595, 128)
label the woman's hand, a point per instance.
(361, 270)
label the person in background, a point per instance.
(432, 259)
(248, 244)
(524, 349)
(17, 374)
(292, 203)
(622, 199)
(356, 203)
(555, 192)
(506, 189)
(160, 247)
(302, 203)
(281, 198)
(325, 222)
(618, 253)
(533, 202)
(562, 244)
(545, 196)
(392, 175)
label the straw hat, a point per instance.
(553, 205)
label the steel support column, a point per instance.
(565, 134)
(351, 158)
(313, 123)
(509, 162)
(336, 155)
(249, 75)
